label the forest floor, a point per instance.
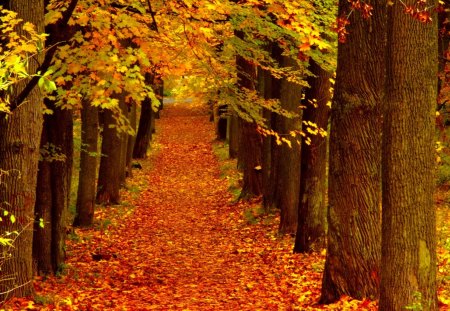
(179, 241)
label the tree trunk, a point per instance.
(312, 209)
(265, 90)
(233, 135)
(250, 143)
(88, 166)
(287, 177)
(144, 133)
(270, 88)
(57, 140)
(131, 140)
(408, 263)
(19, 149)
(108, 186)
(250, 154)
(125, 111)
(42, 238)
(354, 214)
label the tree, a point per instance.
(354, 214)
(250, 142)
(53, 189)
(131, 140)
(312, 208)
(108, 185)
(19, 148)
(88, 166)
(288, 164)
(146, 121)
(408, 262)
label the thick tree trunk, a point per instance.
(287, 177)
(312, 209)
(88, 166)
(250, 155)
(42, 238)
(108, 186)
(19, 149)
(62, 132)
(144, 133)
(54, 183)
(408, 264)
(354, 214)
(250, 142)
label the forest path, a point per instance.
(180, 243)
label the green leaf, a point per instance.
(5, 213)
(41, 222)
(12, 218)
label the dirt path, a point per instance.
(184, 246)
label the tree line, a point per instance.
(270, 65)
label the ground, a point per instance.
(179, 241)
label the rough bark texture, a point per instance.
(250, 142)
(19, 148)
(288, 158)
(270, 88)
(144, 133)
(250, 155)
(108, 186)
(88, 166)
(408, 269)
(55, 184)
(312, 209)
(354, 214)
(42, 239)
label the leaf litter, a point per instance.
(182, 243)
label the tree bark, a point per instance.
(125, 111)
(354, 214)
(131, 140)
(233, 135)
(287, 178)
(19, 149)
(144, 133)
(250, 155)
(250, 142)
(88, 166)
(42, 238)
(408, 263)
(54, 183)
(312, 209)
(108, 186)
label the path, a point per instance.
(184, 246)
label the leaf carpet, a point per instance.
(179, 242)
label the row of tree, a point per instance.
(380, 220)
(37, 129)
(263, 60)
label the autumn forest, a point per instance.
(224, 155)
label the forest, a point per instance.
(224, 155)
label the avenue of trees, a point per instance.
(278, 74)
